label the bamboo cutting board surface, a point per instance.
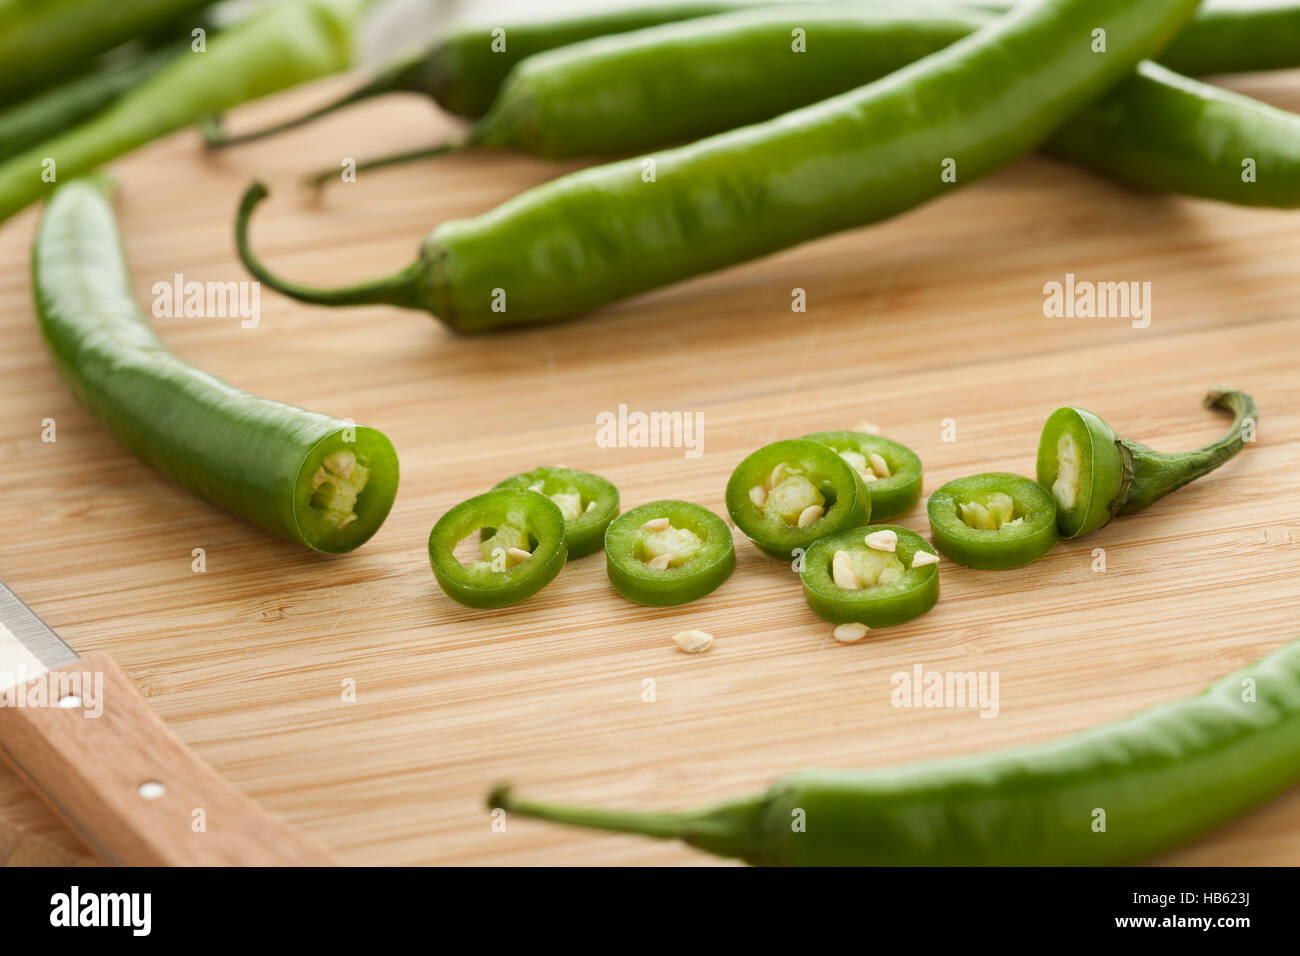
(934, 316)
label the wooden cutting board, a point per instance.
(934, 317)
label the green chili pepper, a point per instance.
(1161, 778)
(40, 40)
(567, 246)
(1094, 474)
(667, 553)
(50, 113)
(522, 547)
(683, 80)
(588, 502)
(993, 521)
(464, 71)
(469, 74)
(315, 480)
(892, 472)
(286, 44)
(846, 579)
(788, 494)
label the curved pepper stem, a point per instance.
(1155, 474)
(402, 288)
(392, 80)
(729, 829)
(318, 179)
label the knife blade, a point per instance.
(27, 644)
(86, 741)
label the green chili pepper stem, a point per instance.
(389, 81)
(318, 179)
(1156, 474)
(402, 288)
(728, 829)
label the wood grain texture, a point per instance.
(936, 315)
(95, 763)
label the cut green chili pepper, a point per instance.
(667, 553)
(992, 521)
(522, 547)
(1094, 475)
(892, 472)
(566, 246)
(315, 480)
(286, 44)
(1164, 777)
(788, 494)
(588, 502)
(846, 579)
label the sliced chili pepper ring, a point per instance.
(993, 521)
(523, 547)
(588, 502)
(894, 488)
(788, 494)
(667, 553)
(1080, 463)
(889, 590)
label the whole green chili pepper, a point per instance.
(992, 521)
(1094, 474)
(680, 81)
(609, 232)
(63, 107)
(312, 479)
(40, 40)
(465, 72)
(1118, 793)
(286, 44)
(522, 547)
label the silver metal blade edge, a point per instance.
(28, 647)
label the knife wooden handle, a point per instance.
(133, 791)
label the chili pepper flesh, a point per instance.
(521, 547)
(1093, 474)
(846, 580)
(892, 472)
(588, 503)
(667, 553)
(993, 521)
(786, 495)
